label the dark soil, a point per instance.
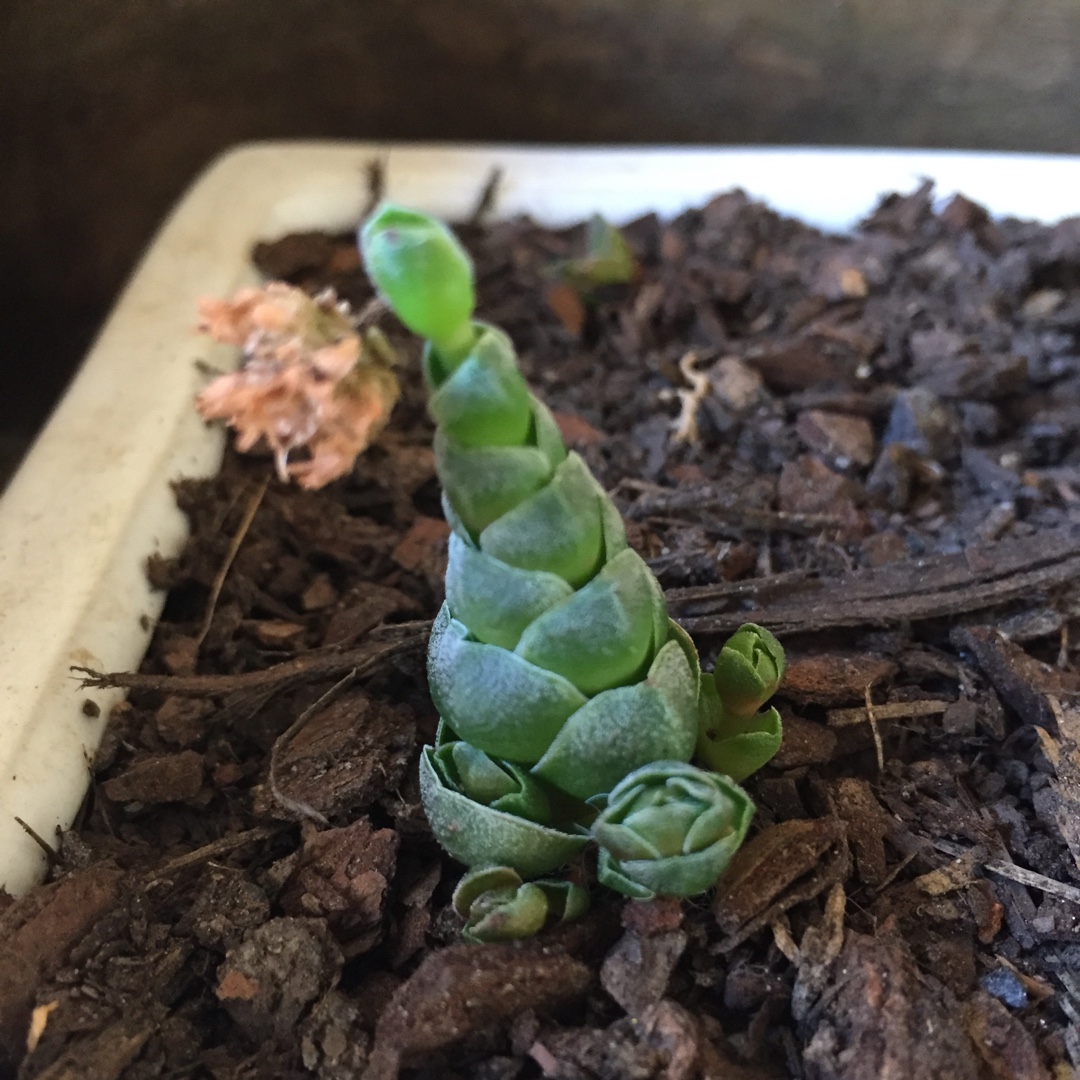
(879, 457)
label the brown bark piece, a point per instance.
(343, 876)
(782, 866)
(182, 721)
(1004, 1044)
(1021, 680)
(867, 826)
(834, 678)
(899, 592)
(36, 934)
(878, 1016)
(636, 971)
(268, 982)
(805, 743)
(362, 609)
(846, 440)
(576, 431)
(808, 486)
(346, 756)
(794, 367)
(464, 989)
(423, 545)
(106, 1054)
(160, 779)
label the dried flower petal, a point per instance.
(304, 380)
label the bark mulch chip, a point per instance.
(871, 445)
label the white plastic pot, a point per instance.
(93, 500)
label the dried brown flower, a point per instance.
(305, 380)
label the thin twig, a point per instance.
(50, 853)
(878, 747)
(894, 710)
(234, 547)
(1012, 872)
(221, 846)
(316, 664)
(485, 202)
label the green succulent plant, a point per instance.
(554, 665)
(734, 736)
(669, 828)
(497, 905)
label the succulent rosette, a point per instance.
(669, 829)
(553, 663)
(497, 905)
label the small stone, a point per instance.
(846, 440)
(1006, 986)
(319, 594)
(920, 421)
(1043, 303)
(735, 384)
(809, 486)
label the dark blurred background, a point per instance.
(109, 108)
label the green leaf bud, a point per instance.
(608, 259)
(735, 746)
(669, 829)
(498, 906)
(418, 266)
(748, 670)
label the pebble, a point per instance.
(847, 440)
(1006, 986)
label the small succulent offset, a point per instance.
(571, 703)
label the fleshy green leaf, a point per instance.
(557, 529)
(497, 602)
(748, 670)
(608, 259)
(734, 746)
(498, 906)
(622, 729)
(602, 635)
(480, 836)
(492, 698)
(486, 482)
(484, 401)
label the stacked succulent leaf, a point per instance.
(571, 703)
